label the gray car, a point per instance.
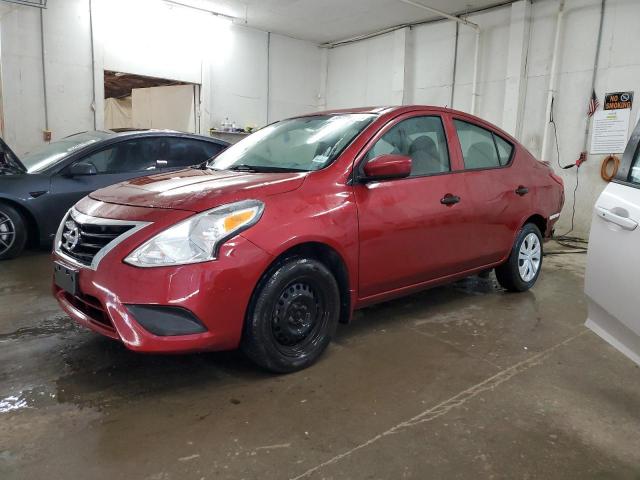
(38, 188)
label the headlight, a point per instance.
(197, 238)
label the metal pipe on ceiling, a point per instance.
(27, 3)
(193, 7)
(476, 55)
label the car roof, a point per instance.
(380, 110)
(141, 132)
(392, 111)
(385, 109)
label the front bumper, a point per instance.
(214, 294)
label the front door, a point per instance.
(613, 260)
(410, 231)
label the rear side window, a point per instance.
(482, 148)
(634, 173)
(184, 152)
(135, 155)
(505, 149)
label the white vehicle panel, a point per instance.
(612, 282)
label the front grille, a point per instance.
(83, 241)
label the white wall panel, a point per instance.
(431, 57)
(294, 77)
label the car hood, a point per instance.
(198, 190)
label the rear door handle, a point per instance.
(449, 199)
(608, 216)
(522, 191)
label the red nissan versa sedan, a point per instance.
(283, 235)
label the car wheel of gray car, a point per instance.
(521, 270)
(13, 232)
(292, 315)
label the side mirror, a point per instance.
(386, 167)
(82, 168)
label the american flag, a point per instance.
(594, 103)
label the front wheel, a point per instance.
(13, 232)
(520, 272)
(292, 315)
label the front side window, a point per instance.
(51, 153)
(482, 148)
(420, 138)
(136, 155)
(299, 144)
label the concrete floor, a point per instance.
(463, 381)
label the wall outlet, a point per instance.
(46, 135)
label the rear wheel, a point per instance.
(13, 232)
(521, 270)
(292, 316)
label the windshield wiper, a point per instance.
(243, 167)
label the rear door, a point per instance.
(612, 281)
(493, 178)
(407, 234)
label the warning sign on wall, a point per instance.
(618, 100)
(610, 131)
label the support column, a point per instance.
(97, 54)
(324, 74)
(516, 81)
(399, 66)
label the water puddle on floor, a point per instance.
(12, 403)
(54, 325)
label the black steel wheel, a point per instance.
(292, 316)
(13, 234)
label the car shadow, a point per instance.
(100, 371)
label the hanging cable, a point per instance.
(574, 244)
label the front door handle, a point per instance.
(608, 216)
(522, 191)
(449, 199)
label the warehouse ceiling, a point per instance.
(324, 21)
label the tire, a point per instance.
(520, 272)
(292, 316)
(13, 232)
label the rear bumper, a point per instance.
(550, 230)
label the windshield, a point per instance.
(299, 144)
(51, 153)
